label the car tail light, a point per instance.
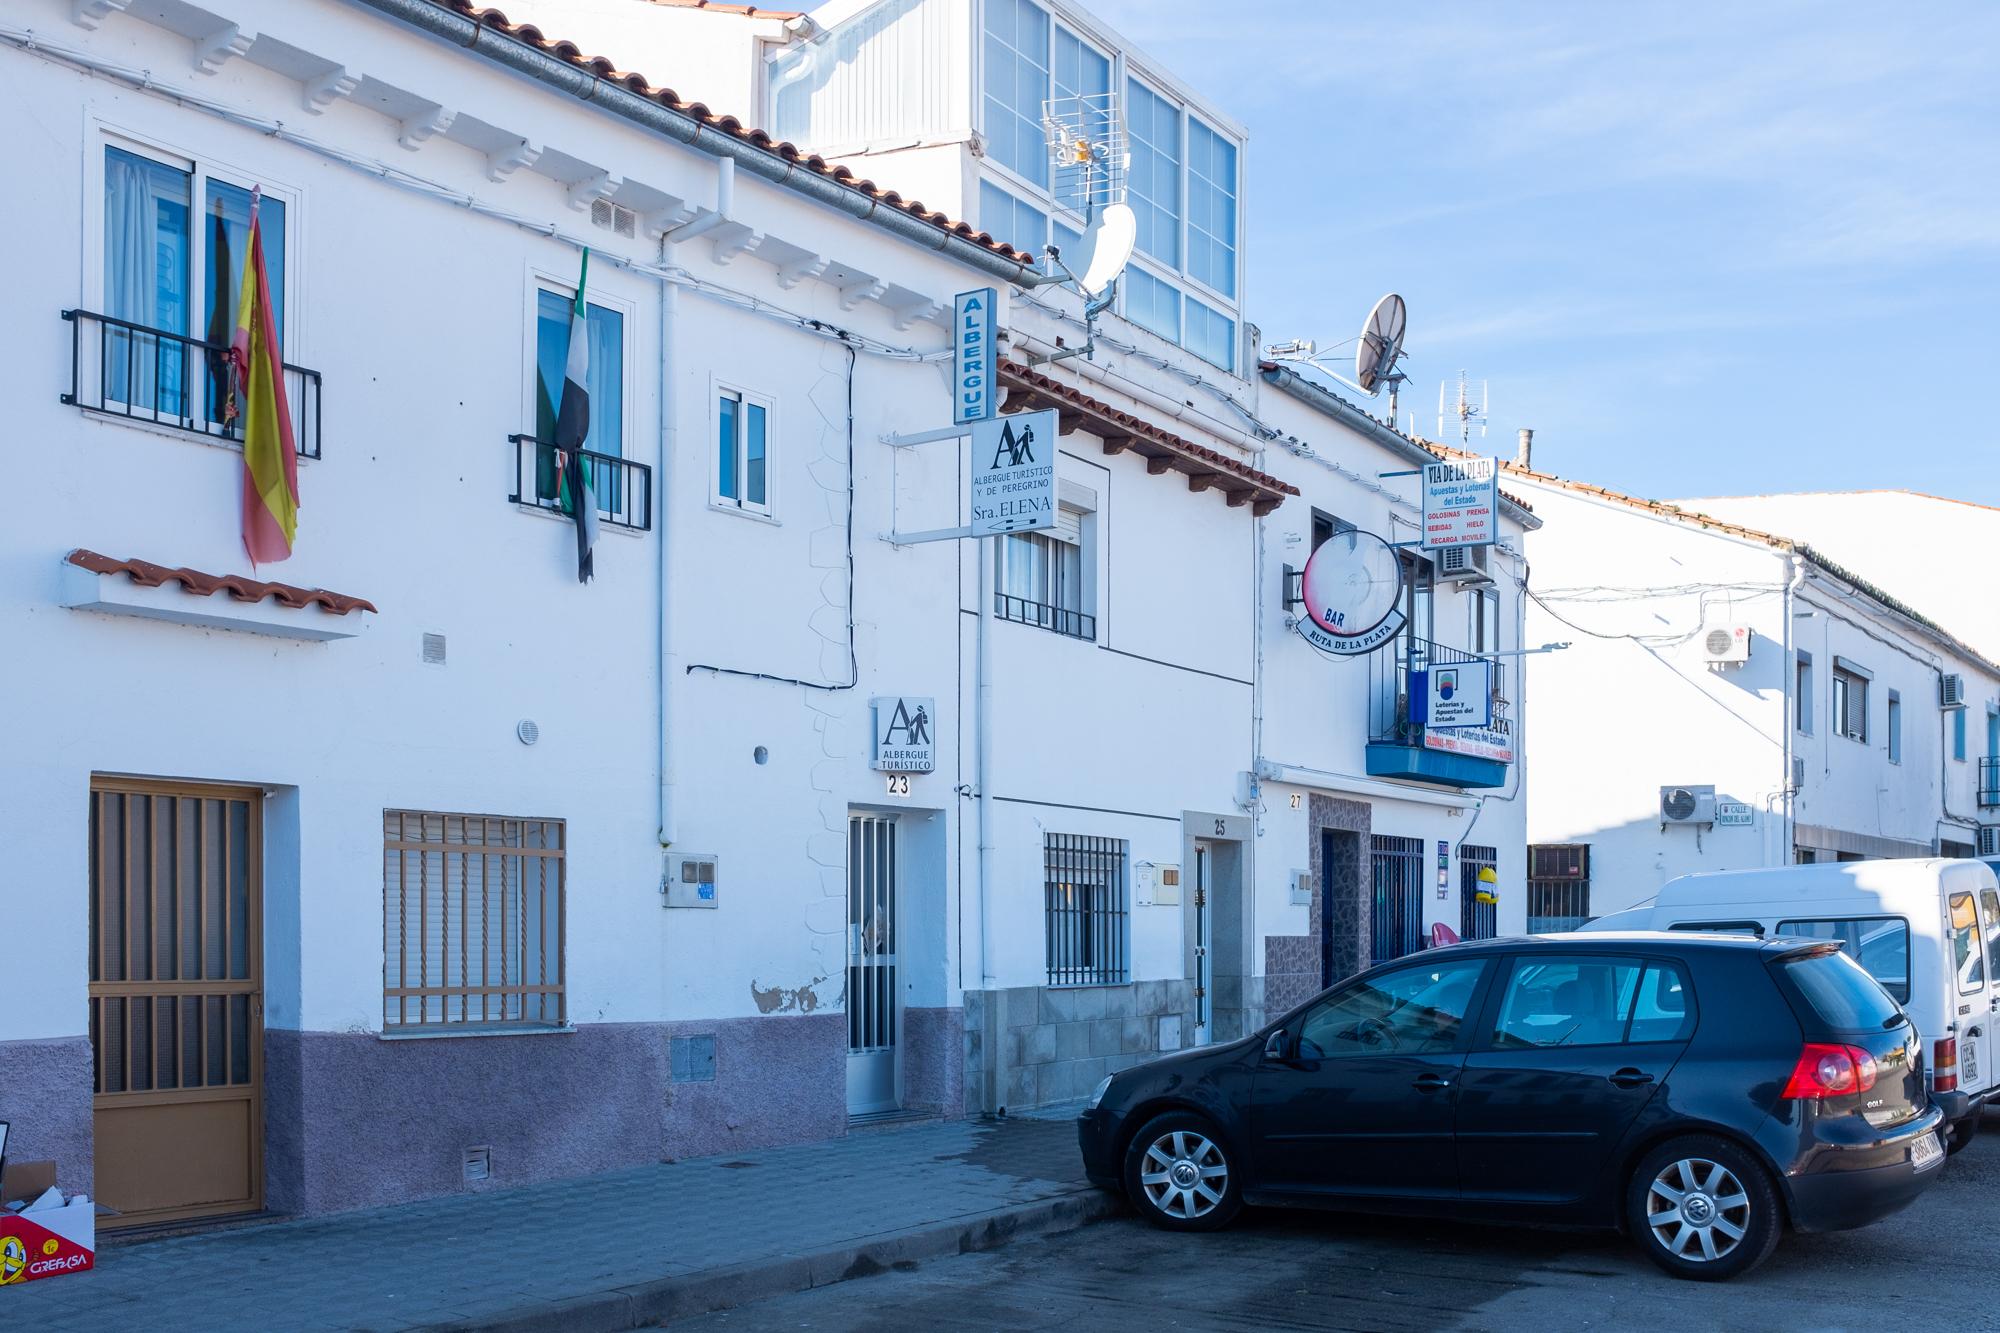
(1827, 1070)
(1944, 1065)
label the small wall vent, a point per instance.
(433, 650)
(614, 218)
(478, 1164)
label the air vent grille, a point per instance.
(615, 218)
(434, 650)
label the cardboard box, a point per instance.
(22, 1181)
(48, 1241)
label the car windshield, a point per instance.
(1846, 998)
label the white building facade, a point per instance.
(1732, 699)
(414, 863)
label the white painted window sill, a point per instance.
(758, 515)
(476, 1030)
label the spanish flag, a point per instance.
(257, 401)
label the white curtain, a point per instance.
(145, 279)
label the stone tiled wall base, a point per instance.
(353, 1121)
(933, 1060)
(1031, 1046)
(45, 1092)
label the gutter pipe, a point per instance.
(564, 77)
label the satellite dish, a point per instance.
(1381, 345)
(1106, 248)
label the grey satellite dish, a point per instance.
(1106, 248)
(1381, 345)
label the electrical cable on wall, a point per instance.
(853, 659)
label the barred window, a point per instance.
(1084, 880)
(472, 921)
(1558, 887)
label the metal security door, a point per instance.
(1397, 920)
(176, 999)
(874, 1011)
(1204, 984)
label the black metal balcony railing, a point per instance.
(1075, 624)
(170, 379)
(1389, 688)
(624, 489)
(1989, 781)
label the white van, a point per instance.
(1928, 930)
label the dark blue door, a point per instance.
(1578, 1046)
(1361, 1102)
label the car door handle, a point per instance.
(1631, 1078)
(1431, 1083)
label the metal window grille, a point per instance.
(170, 379)
(1558, 887)
(1397, 922)
(623, 488)
(1476, 920)
(1075, 624)
(1085, 886)
(472, 920)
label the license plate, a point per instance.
(1926, 1152)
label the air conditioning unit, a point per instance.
(1989, 839)
(1726, 645)
(1687, 805)
(1462, 564)
(1951, 691)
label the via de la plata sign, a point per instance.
(1459, 502)
(1013, 481)
(972, 324)
(905, 734)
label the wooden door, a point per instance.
(176, 998)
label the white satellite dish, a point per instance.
(1106, 248)
(1381, 345)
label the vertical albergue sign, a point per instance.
(972, 355)
(1459, 501)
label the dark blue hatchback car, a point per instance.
(1701, 1092)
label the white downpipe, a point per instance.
(725, 209)
(1788, 675)
(670, 299)
(982, 726)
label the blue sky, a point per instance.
(1700, 248)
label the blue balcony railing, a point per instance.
(1401, 746)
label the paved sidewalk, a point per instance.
(606, 1252)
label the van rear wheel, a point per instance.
(1702, 1208)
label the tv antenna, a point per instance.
(1088, 158)
(1460, 411)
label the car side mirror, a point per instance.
(1274, 1045)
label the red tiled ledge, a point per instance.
(93, 582)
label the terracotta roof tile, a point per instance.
(149, 575)
(1194, 459)
(639, 84)
(740, 11)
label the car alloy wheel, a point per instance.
(1184, 1174)
(1698, 1210)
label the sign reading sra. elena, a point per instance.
(905, 734)
(1459, 501)
(1014, 473)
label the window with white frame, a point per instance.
(1044, 578)
(1012, 219)
(176, 236)
(1486, 620)
(743, 451)
(604, 382)
(1017, 84)
(1850, 703)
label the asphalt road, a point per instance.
(1935, 1265)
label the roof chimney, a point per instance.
(1524, 452)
